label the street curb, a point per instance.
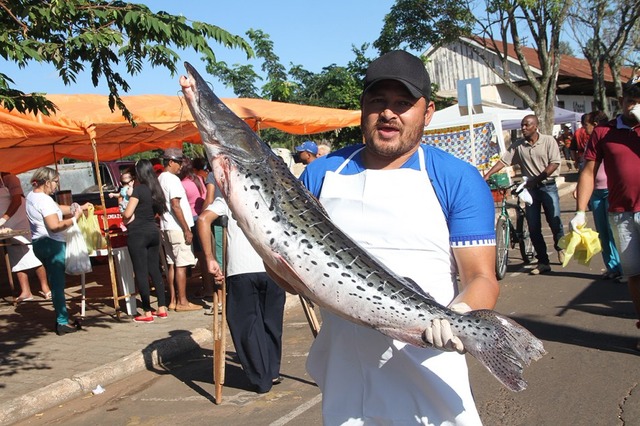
(63, 390)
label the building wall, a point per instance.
(457, 61)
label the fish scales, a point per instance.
(297, 228)
(292, 233)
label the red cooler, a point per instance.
(114, 220)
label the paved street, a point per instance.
(589, 376)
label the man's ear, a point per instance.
(428, 115)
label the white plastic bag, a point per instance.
(76, 258)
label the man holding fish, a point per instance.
(399, 253)
(427, 216)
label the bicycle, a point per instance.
(508, 235)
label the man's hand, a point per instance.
(440, 335)
(188, 237)
(214, 269)
(2, 221)
(578, 221)
(533, 182)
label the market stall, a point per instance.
(84, 128)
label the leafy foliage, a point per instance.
(607, 33)
(99, 35)
(419, 23)
(334, 87)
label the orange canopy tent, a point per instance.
(84, 128)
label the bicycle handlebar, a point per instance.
(492, 183)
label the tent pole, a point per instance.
(105, 226)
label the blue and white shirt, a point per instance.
(463, 194)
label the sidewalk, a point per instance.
(39, 369)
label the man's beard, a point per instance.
(384, 149)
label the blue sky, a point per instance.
(310, 34)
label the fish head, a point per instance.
(222, 132)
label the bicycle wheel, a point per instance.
(524, 239)
(502, 247)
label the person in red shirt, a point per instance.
(564, 139)
(579, 142)
(617, 144)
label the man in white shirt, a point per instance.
(176, 226)
(255, 303)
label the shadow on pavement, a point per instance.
(602, 298)
(579, 337)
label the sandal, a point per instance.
(24, 299)
(45, 296)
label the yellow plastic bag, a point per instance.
(581, 246)
(91, 230)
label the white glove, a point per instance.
(578, 221)
(522, 192)
(439, 333)
(2, 221)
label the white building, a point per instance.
(458, 61)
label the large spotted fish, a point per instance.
(296, 239)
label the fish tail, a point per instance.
(503, 346)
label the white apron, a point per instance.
(20, 253)
(367, 378)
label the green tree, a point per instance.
(565, 49)
(523, 23)
(334, 87)
(417, 23)
(73, 35)
(607, 33)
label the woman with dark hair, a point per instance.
(194, 187)
(143, 241)
(48, 230)
(200, 167)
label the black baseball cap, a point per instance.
(400, 66)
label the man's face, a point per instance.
(305, 157)
(393, 120)
(175, 166)
(588, 128)
(628, 103)
(529, 127)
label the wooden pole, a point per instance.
(105, 226)
(307, 307)
(220, 319)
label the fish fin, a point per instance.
(288, 277)
(417, 289)
(403, 336)
(503, 346)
